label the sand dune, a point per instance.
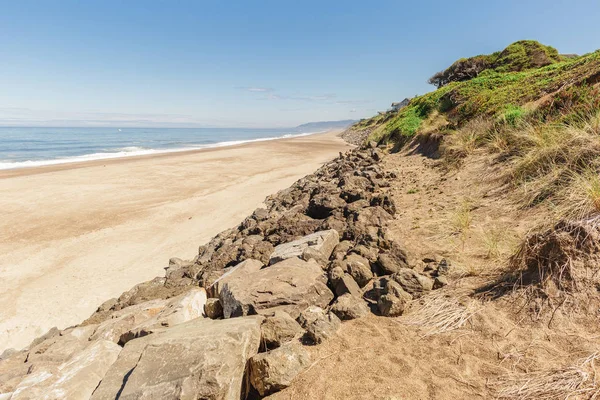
(73, 236)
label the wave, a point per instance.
(132, 151)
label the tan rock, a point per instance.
(182, 308)
(199, 359)
(324, 242)
(292, 284)
(240, 270)
(75, 379)
(278, 329)
(126, 319)
(275, 370)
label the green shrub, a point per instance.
(512, 115)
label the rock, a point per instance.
(359, 268)
(310, 253)
(75, 379)
(278, 329)
(275, 370)
(309, 315)
(342, 248)
(292, 284)
(393, 302)
(213, 309)
(389, 265)
(443, 267)
(350, 307)
(323, 327)
(347, 285)
(178, 310)
(369, 253)
(323, 242)
(322, 205)
(440, 281)
(199, 359)
(391, 306)
(239, 271)
(126, 319)
(413, 282)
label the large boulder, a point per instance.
(126, 319)
(199, 359)
(322, 242)
(273, 371)
(76, 379)
(359, 268)
(178, 310)
(292, 284)
(238, 271)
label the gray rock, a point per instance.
(275, 370)
(323, 242)
(350, 307)
(213, 309)
(199, 359)
(278, 329)
(291, 284)
(309, 315)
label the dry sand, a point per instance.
(73, 236)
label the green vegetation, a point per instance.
(525, 78)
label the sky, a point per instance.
(252, 63)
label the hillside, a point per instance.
(453, 255)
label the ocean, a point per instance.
(31, 147)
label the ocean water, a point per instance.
(31, 147)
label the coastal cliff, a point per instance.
(453, 254)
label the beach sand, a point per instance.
(75, 235)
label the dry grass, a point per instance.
(460, 221)
(578, 381)
(467, 139)
(581, 197)
(442, 311)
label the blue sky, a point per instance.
(251, 63)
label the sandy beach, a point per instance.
(75, 235)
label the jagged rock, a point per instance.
(178, 310)
(322, 205)
(75, 379)
(443, 267)
(292, 284)
(346, 285)
(275, 370)
(238, 271)
(310, 253)
(126, 319)
(369, 253)
(348, 307)
(213, 309)
(342, 248)
(278, 329)
(389, 265)
(359, 268)
(413, 282)
(199, 359)
(394, 300)
(319, 325)
(323, 242)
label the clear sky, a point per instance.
(252, 63)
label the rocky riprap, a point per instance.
(234, 322)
